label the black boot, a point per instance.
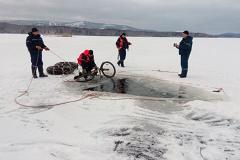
(183, 74)
(34, 72)
(79, 76)
(122, 64)
(40, 70)
(118, 63)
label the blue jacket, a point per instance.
(33, 41)
(185, 46)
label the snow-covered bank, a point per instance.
(90, 129)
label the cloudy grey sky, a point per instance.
(211, 16)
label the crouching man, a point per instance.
(86, 60)
(35, 47)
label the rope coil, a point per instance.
(49, 105)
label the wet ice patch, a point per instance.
(150, 93)
(149, 87)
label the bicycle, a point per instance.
(107, 69)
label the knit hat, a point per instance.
(124, 34)
(90, 52)
(186, 32)
(34, 30)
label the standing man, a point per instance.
(122, 45)
(35, 47)
(185, 48)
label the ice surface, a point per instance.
(121, 129)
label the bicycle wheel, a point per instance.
(84, 78)
(108, 69)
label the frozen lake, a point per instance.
(190, 122)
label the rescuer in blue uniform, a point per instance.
(185, 48)
(35, 47)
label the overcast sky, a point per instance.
(211, 16)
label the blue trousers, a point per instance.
(184, 63)
(122, 55)
(36, 59)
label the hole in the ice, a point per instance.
(149, 93)
(131, 87)
(148, 87)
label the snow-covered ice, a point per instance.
(112, 127)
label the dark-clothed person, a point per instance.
(122, 45)
(35, 47)
(185, 48)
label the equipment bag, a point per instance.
(62, 68)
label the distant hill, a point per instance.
(230, 35)
(77, 24)
(84, 28)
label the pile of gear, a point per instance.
(62, 68)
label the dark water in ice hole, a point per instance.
(174, 94)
